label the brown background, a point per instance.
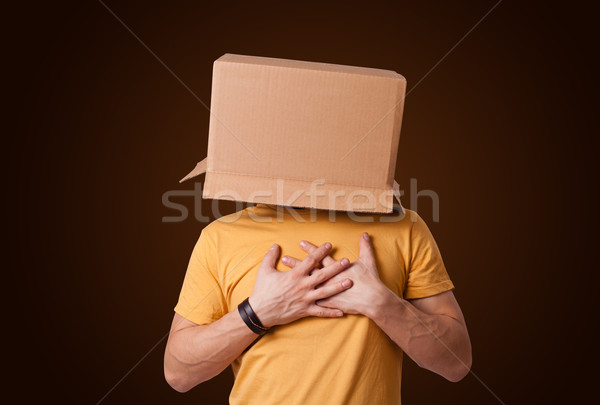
(102, 130)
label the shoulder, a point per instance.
(226, 224)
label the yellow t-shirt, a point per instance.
(347, 360)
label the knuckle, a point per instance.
(304, 289)
(298, 290)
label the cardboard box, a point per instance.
(303, 134)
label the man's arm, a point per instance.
(196, 353)
(432, 330)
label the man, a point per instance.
(358, 295)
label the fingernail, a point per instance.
(339, 313)
(285, 259)
(344, 261)
(346, 283)
(302, 243)
(274, 246)
(328, 245)
(366, 236)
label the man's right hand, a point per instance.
(279, 297)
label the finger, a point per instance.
(326, 303)
(366, 248)
(322, 312)
(314, 258)
(309, 247)
(271, 257)
(338, 277)
(290, 261)
(331, 289)
(327, 272)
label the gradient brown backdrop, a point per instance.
(102, 130)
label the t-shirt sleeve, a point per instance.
(427, 274)
(201, 299)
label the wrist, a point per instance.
(260, 312)
(384, 300)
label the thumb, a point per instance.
(366, 248)
(271, 257)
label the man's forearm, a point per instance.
(198, 353)
(438, 343)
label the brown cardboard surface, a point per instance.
(295, 193)
(309, 134)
